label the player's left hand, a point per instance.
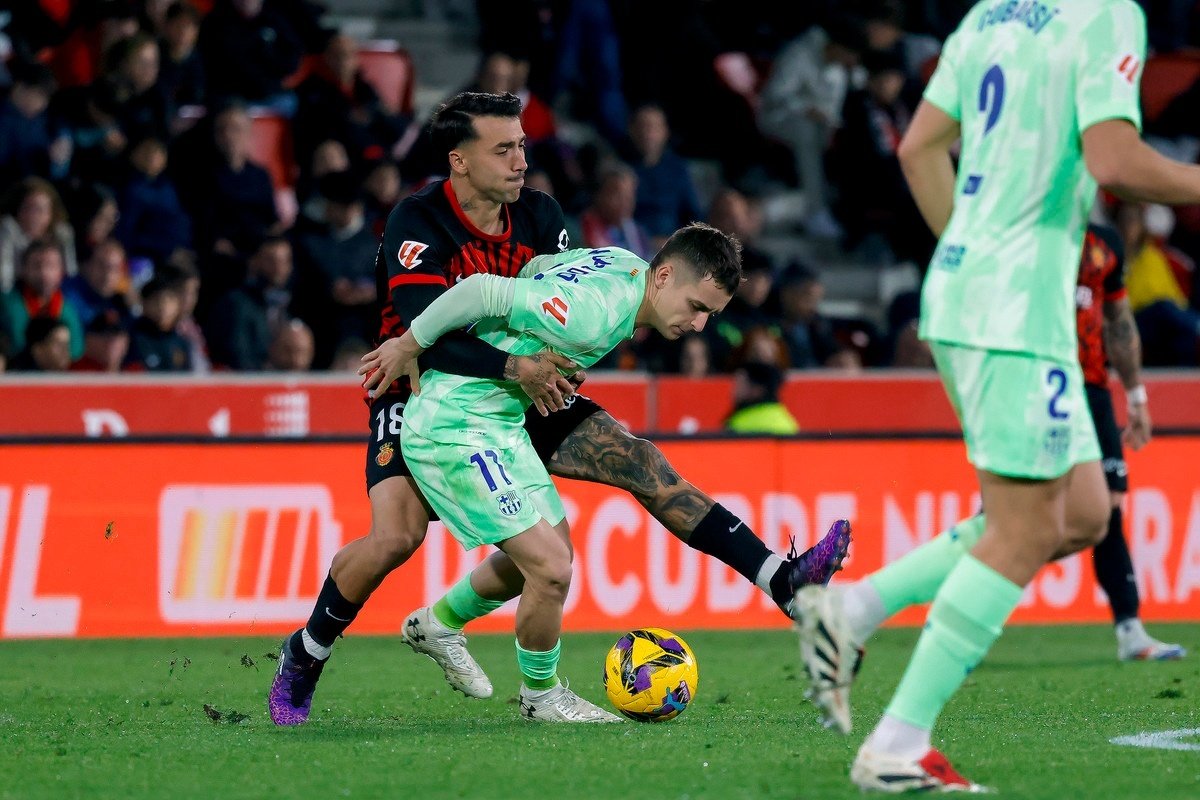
(1137, 432)
(392, 359)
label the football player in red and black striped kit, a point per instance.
(1108, 334)
(482, 219)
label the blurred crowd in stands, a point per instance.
(196, 185)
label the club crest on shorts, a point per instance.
(510, 504)
(385, 454)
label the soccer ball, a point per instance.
(650, 675)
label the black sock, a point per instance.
(331, 616)
(729, 540)
(1114, 569)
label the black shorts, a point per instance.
(384, 459)
(1101, 405)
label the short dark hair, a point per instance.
(161, 284)
(38, 245)
(453, 122)
(182, 9)
(33, 74)
(708, 251)
(39, 329)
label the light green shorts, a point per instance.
(484, 493)
(1023, 416)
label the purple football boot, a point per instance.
(290, 698)
(816, 565)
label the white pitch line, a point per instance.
(1160, 740)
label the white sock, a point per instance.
(863, 609)
(313, 647)
(767, 571)
(898, 738)
(537, 694)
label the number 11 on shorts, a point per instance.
(478, 460)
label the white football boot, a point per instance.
(830, 657)
(448, 648)
(560, 704)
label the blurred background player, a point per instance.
(1108, 334)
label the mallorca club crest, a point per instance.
(510, 503)
(386, 452)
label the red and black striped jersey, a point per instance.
(1101, 280)
(429, 244)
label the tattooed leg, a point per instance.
(601, 450)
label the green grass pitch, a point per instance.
(127, 719)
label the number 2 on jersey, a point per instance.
(991, 97)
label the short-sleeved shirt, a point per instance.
(581, 303)
(1025, 79)
(1101, 281)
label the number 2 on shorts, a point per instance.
(1057, 376)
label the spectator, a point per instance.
(29, 143)
(98, 288)
(886, 33)
(382, 190)
(248, 51)
(609, 221)
(336, 102)
(1169, 329)
(132, 72)
(733, 212)
(756, 406)
(746, 310)
(47, 347)
(180, 71)
(335, 263)
(228, 196)
(154, 343)
(873, 196)
(292, 348)
(694, 359)
(801, 105)
(666, 196)
(94, 28)
(38, 292)
(32, 210)
(242, 323)
(807, 333)
(93, 209)
(329, 156)
(904, 316)
(153, 223)
(105, 345)
(348, 356)
(91, 115)
(181, 271)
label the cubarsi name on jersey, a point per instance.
(1035, 15)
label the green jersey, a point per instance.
(1025, 79)
(580, 303)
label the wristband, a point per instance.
(1136, 396)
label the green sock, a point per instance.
(916, 577)
(539, 670)
(462, 604)
(966, 618)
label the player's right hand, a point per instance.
(383, 365)
(541, 377)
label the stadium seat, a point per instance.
(271, 146)
(1164, 78)
(388, 67)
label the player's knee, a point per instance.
(394, 543)
(552, 579)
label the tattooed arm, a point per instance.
(1124, 348)
(601, 450)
